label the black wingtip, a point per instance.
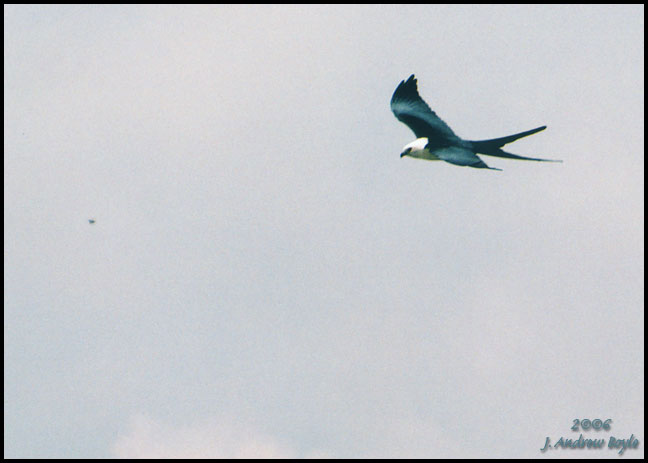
(406, 89)
(408, 81)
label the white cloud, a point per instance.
(146, 437)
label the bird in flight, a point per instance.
(91, 221)
(436, 141)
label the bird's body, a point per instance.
(418, 149)
(436, 140)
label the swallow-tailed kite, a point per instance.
(436, 141)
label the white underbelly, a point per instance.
(424, 154)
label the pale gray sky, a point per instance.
(266, 277)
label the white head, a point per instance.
(416, 149)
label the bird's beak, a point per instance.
(403, 154)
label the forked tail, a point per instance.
(493, 146)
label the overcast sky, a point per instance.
(267, 277)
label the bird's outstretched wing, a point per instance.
(409, 108)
